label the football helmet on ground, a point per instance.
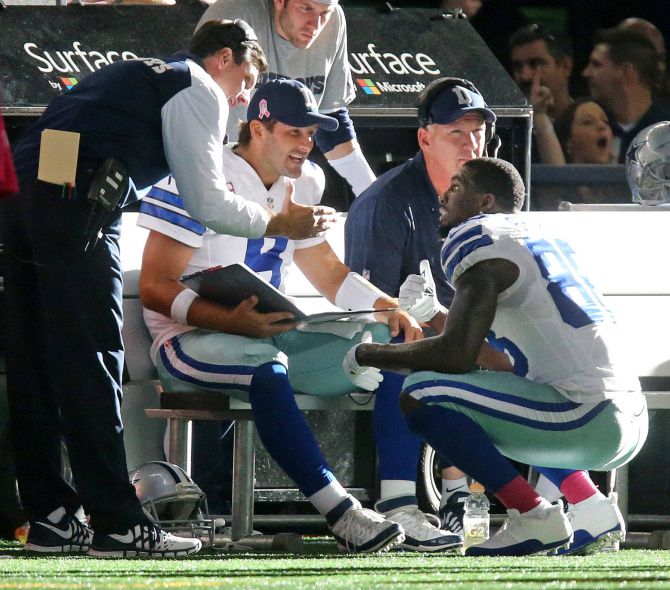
(171, 498)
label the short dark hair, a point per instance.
(498, 177)
(216, 34)
(630, 46)
(244, 137)
(559, 47)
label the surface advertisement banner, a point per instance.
(393, 55)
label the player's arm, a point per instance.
(344, 153)
(470, 317)
(335, 281)
(163, 263)
(418, 296)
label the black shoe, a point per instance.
(451, 514)
(67, 535)
(143, 540)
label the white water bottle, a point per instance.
(476, 520)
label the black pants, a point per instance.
(63, 312)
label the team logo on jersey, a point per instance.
(271, 203)
(263, 111)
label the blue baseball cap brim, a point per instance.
(323, 121)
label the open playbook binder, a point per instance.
(229, 285)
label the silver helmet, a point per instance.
(648, 165)
(169, 495)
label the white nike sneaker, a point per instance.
(420, 533)
(360, 530)
(596, 521)
(143, 540)
(59, 532)
(539, 530)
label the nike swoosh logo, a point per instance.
(448, 491)
(128, 537)
(65, 534)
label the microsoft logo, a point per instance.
(69, 82)
(368, 86)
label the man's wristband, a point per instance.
(181, 304)
(357, 293)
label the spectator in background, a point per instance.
(651, 32)
(585, 135)
(536, 51)
(622, 73)
(541, 66)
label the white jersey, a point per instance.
(162, 210)
(552, 322)
(323, 67)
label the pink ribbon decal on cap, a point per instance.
(263, 109)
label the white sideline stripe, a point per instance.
(208, 377)
(486, 402)
(164, 205)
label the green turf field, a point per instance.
(321, 566)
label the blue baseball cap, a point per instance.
(454, 101)
(289, 102)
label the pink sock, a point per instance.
(577, 487)
(518, 494)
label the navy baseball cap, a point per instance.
(289, 102)
(453, 101)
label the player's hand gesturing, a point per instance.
(298, 222)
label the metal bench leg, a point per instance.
(243, 480)
(179, 443)
(621, 487)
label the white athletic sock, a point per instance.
(452, 486)
(395, 488)
(328, 497)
